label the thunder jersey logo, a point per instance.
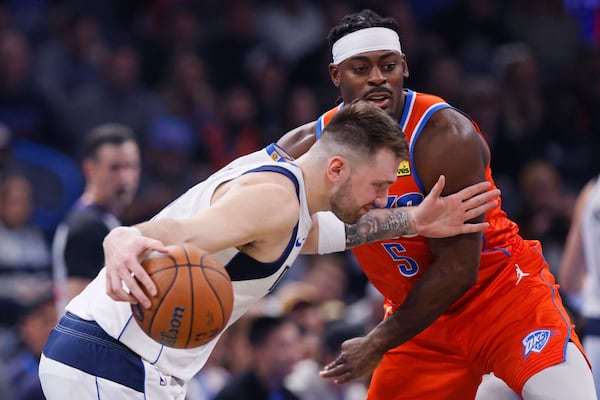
(404, 168)
(535, 341)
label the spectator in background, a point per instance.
(291, 28)
(120, 97)
(168, 167)
(22, 109)
(191, 103)
(235, 30)
(238, 131)
(579, 274)
(304, 381)
(24, 256)
(547, 208)
(71, 61)
(111, 166)
(276, 348)
(36, 320)
(471, 30)
(24, 252)
(301, 106)
(301, 302)
(551, 32)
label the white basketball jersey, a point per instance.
(590, 232)
(251, 279)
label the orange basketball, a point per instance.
(194, 300)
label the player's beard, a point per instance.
(343, 205)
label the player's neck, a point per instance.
(315, 185)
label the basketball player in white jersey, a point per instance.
(255, 216)
(579, 274)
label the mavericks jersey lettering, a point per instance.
(393, 266)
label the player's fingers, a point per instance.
(345, 378)
(114, 288)
(131, 281)
(472, 190)
(332, 371)
(481, 198)
(472, 228)
(155, 245)
(479, 210)
(436, 190)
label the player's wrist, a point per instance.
(130, 230)
(412, 228)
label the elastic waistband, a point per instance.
(72, 321)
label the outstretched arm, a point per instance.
(435, 217)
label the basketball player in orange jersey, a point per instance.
(456, 308)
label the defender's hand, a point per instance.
(357, 358)
(438, 217)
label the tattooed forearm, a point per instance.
(378, 225)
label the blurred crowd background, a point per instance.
(202, 82)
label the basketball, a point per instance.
(194, 300)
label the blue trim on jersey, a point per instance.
(85, 346)
(415, 136)
(407, 103)
(319, 127)
(243, 267)
(281, 170)
(483, 249)
(278, 153)
(564, 317)
(321, 122)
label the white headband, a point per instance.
(368, 39)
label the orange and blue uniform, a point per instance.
(511, 322)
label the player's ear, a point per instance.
(334, 74)
(336, 168)
(405, 71)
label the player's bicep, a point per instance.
(453, 148)
(243, 216)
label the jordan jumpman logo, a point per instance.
(520, 274)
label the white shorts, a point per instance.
(81, 361)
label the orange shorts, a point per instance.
(514, 329)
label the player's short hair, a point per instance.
(364, 128)
(357, 21)
(111, 133)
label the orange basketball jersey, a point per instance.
(393, 266)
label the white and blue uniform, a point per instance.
(99, 339)
(590, 297)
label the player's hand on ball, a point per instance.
(123, 253)
(357, 359)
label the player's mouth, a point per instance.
(381, 100)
